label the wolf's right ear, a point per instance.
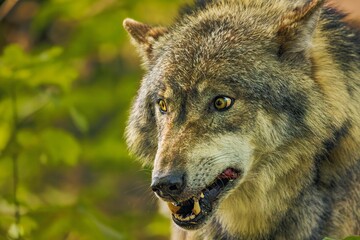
(296, 30)
(143, 37)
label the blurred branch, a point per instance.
(6, 7)
(15, 159)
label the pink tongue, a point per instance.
(229, 173)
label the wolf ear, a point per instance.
(296, 30)
(143, 36)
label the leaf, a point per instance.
(60, 146)
(15, 231)
(106, 230)
(353, 238)
(5, 133)
(5, 72)
(347, 238)
(79, 120)
(28, 224)
(14, 56)
(27, 139)
(50, 54)
(37, 69)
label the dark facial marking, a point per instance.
(182, 110)
(328, 146)
(276, 96)
(309, 198)
(347, 51)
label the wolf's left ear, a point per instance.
(296, 30)
(143, 36)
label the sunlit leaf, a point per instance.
(60, 146)
(5, 72)
(50, 54)
(6, 208)
(14, 56)
(27, 139)
(15, 231)
(79, 120)
(29, 225)
(347, 238)
(59, 198)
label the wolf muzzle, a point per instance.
(169, 186)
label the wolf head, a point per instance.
(226, 101)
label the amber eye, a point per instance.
(223, 103)
(162, 106)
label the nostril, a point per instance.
(168, 185)
(173, 187)
(154, 188)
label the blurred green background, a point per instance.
(67, 76)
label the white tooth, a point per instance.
(202, 195)
(192, 217)
(196, 210)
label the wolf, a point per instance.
(249, 115)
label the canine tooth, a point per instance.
(174, 209)
(202, 195)
(196, 210)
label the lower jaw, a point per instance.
(196, 211)
(194, 224)
(201, 210)
(208, 209)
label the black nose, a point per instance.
(169, 185)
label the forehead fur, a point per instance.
(221, 31)
(202, 4)
(245, 14)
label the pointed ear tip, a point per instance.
(128, 22)
(316, 3)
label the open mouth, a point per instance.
(191, 213)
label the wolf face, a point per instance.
(229, 113)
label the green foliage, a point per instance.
(67, 76)
(348, 238)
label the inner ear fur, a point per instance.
(144, 37)
(296, 30)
